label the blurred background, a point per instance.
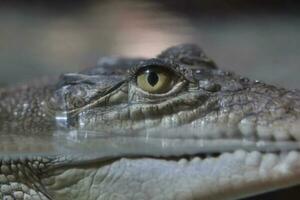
(255, 38)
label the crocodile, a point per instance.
(171, 127)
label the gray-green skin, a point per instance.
(97, 135)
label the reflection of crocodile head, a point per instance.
(173, 127)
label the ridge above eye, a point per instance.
(155, 79)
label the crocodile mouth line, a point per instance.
(188, 158)
(203, 156)
(177, 154)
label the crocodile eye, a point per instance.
(155, 80)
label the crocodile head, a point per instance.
(172, 127)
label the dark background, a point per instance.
(256, 38)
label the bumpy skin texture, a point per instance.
(98, 135)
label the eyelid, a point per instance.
(157, 63)
(138, 71)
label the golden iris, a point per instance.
(155, 80)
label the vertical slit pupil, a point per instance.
(152, 78)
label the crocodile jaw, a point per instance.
(153, 168)
(229, 176)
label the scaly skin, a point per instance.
(98, 135)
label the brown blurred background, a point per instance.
(259, 39)
(255, 38)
